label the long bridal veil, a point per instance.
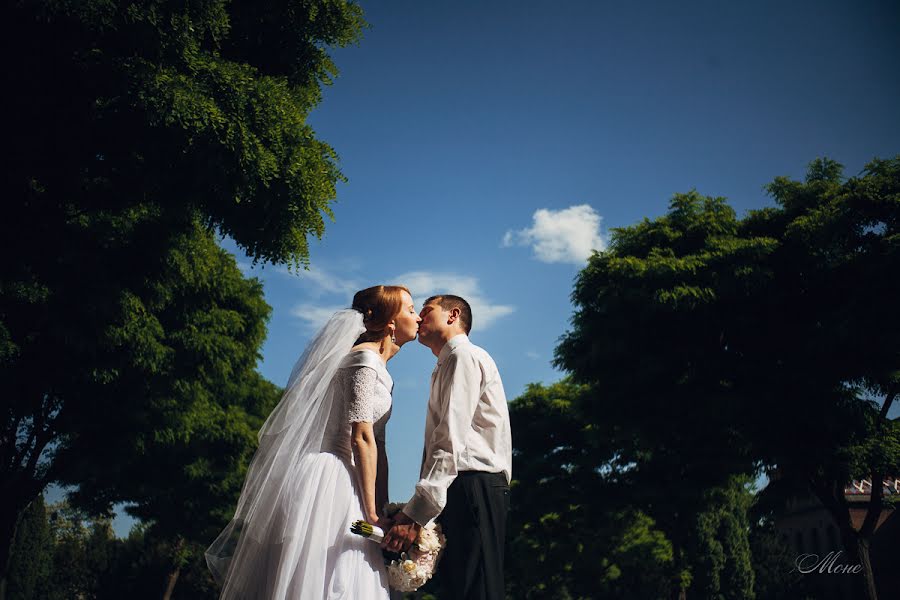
(295, 428)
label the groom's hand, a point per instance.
(384, 523)
(402, 534)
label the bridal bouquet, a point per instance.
(413, 569)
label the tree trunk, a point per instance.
(9, 518)
(862, 545)
(172, 579)
(857, 548)
(855, 543)
(170, 583)
(678, 590)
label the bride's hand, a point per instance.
(385, 523)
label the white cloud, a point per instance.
(566, 235)
(532, 355)
(320, 281)
(314, 316)
(423, 284)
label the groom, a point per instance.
(467, 460)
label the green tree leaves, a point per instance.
(718, 344)
(128, 339)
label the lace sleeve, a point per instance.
(361, 394)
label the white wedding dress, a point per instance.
(304, 549)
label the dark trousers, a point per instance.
(474, 521)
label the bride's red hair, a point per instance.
(378, 305)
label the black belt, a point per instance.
(485, 473)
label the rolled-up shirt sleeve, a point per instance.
(461, 380)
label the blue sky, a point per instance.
(488, 146)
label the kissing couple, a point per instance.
(321, 463)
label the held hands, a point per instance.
(401, 535)
(384, 522)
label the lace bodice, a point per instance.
(362, 388)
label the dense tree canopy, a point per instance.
(197, 108)
(32, 563)
(125, 334)
(579, 526)
(718, 344)
(61, 554)
(159, 401)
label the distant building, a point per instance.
(810, 529)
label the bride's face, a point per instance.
(407, 321)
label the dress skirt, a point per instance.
(318, 557)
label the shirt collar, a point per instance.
(452, 343)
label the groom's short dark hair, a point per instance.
(449, 302)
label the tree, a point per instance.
(722, 344)
(33, 555)
(671, 424)
(177, 450)
(722, 564)
(137, 125)
(173, 402)
(198, 108)
(143, 561)
(775, 576)
(81, 558)
(603, 525)
(584, 538)
(83, 551)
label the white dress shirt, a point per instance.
(466, 428)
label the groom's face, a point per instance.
(434, 320)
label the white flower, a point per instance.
(408, 566)
(428, 540)
(412, 572)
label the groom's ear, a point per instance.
(454, 316)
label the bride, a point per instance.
(321, 465)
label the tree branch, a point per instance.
(876, 498)
(19, 455)
(37, 425)
(875, 505)
(892, 392)
(40, 443)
